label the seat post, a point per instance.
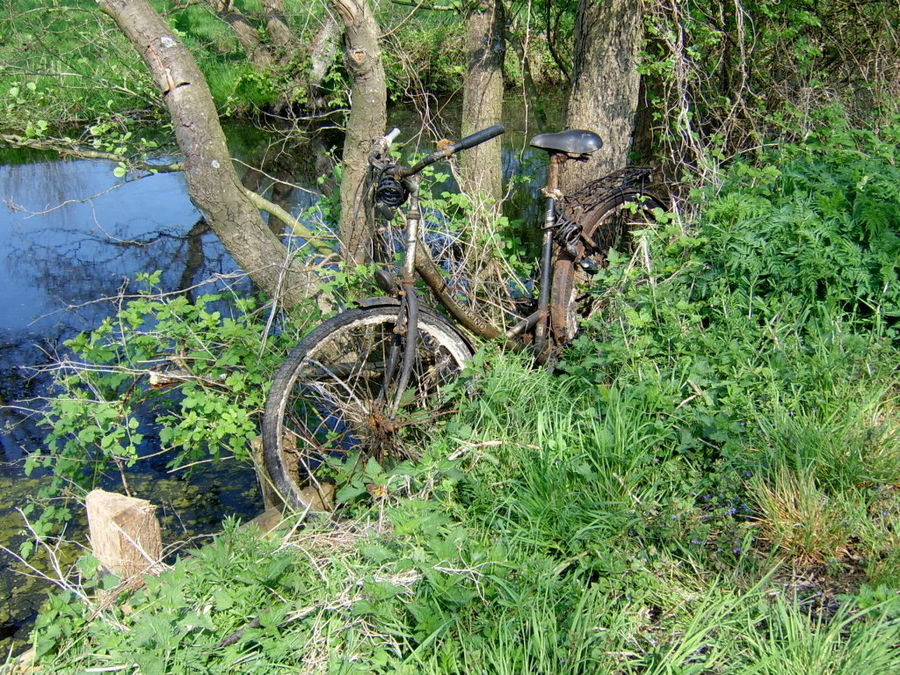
(551, 190)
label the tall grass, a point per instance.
(566, 536)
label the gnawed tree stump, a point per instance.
(124, 532)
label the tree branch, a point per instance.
(299, 228)
(70, 149)
(434, 8)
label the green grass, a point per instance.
(566, 536)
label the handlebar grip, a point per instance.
(475, 139)
(467, 142)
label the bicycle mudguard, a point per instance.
(602, 190)
(378, 301)
(388, 301)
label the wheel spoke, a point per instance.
(329, 397)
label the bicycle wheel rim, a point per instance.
(328, 399)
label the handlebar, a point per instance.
(463, 144)
(475, 139)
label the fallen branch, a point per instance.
(70, 149)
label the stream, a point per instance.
(71, 238)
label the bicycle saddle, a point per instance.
(570, 141)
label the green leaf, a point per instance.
(349, 492)
(194, 620)
(88, 565)
(373, 468)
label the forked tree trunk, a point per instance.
(605, 82)
(212, 182)
(368, 117)
(481, 166)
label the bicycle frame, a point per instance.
(414, 261)
(540, 319)
(363, 376)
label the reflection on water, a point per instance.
(62, 248)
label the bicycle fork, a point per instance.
(407, 326)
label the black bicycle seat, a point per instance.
(571, 141)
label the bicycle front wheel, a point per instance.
(330, 397)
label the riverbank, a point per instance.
(73, 239)
(71, 248)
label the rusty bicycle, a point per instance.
(372, 378)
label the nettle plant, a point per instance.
(162, 374)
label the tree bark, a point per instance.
(246, 34)
(481, 166)
(322, 56)
(605, 82)
(368, 117)
(280, 33)
(212, 182)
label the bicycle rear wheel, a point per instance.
(329, 397)
(607, 223)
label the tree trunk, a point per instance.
(481, 167)
(322, 56)
(280, 33)
(368, 117)
(604, 94)
(212, 182)
(246, 33)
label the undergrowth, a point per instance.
(710, 485)
(164, 376)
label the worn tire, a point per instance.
(325, 399)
